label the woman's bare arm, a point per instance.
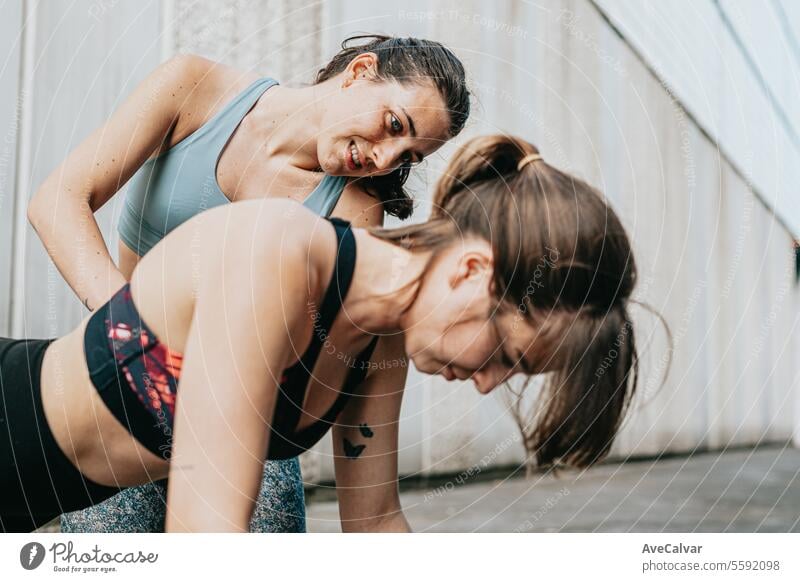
(248, 313)
(366, 483)
(62, 210)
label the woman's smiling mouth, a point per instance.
(353, 158)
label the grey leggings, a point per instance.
(280, 506)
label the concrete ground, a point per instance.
(753, 490)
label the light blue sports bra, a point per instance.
(182, 182)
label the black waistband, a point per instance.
(37, 480)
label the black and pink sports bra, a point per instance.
(137, 376)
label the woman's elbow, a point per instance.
(36, 211)
(42, 207)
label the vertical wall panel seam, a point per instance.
(5, 310)
(23, 168)
(168, 40)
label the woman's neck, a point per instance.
(288, 122)
(386, 283)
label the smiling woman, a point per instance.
(386, 126)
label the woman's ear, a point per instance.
(475, 262)
(362, 67)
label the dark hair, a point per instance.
(406, 60)
(563, 262)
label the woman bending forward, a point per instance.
(269, 327)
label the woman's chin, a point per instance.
(424, 365)
(329, 167)
(436, 368)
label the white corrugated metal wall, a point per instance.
(69, 64)
(683, 113)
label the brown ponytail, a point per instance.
(563, 263)
(488, 157)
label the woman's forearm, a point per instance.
(74, 242)
(62, 211)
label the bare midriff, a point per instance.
(88, 434)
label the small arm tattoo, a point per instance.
(366, 431)
(353, 451)
(86, 304)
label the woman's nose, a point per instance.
(485, 380)
(385, 155)
(488, 378)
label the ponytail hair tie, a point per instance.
(529, 159)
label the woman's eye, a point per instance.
(397, 127)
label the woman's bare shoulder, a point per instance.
(283, 236)
(276, 224)
(359, 207)
(205, 87)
